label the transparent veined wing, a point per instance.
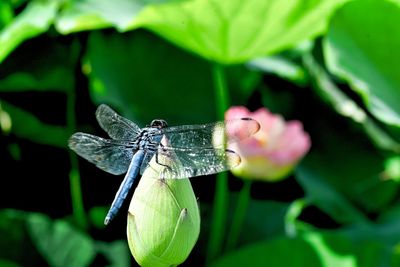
(211, 134)
(182, 163)
(116, 126)
(112, 156)
(146, 160)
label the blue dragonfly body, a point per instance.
(189, 150)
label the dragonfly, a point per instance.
(183, 151)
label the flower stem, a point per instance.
(291, 218)
(221, 196)
(221, 90)
(78, 210)
(239, 215)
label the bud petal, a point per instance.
(163, 220)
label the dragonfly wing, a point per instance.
(190, 162)
(109, 155)
(116, 126)
(212, 134)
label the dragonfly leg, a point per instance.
(158, 162)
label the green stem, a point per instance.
(221, 90)
(239, 215)
(221, 196)
(78, 210)
(291, 218)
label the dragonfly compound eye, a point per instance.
(159, 124)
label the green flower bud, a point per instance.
(163, 220)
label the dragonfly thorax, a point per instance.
(148, 139)
(159, 124)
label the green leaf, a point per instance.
(282, 67)
(271, 253)
(116, 252)
(6, 13)
(97, 215)
(15, 240)
(313, 249)
(392, 168)
(242, 82)
(16, 4)
(286, 65)
(234, 31)
(264, 219)
(23, 234)
(345, 106)
(362, 46)
(59, 243)
(385, 230)
(35, 19)
(51, 66)
(25, 125)
(126, 72)
(23, 81)
(325, 196)
(7, 263)
(343, 169)
(96, 14)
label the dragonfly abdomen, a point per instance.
(126, 184)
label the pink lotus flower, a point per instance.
(273, 152)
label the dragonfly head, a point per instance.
(158, 124)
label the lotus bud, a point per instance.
(163, 219)
(272, 152)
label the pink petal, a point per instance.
(237, 112)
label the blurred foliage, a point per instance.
(112, 83)
(332, 64)
(312, 249)
(58, 242)
(357, 49)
